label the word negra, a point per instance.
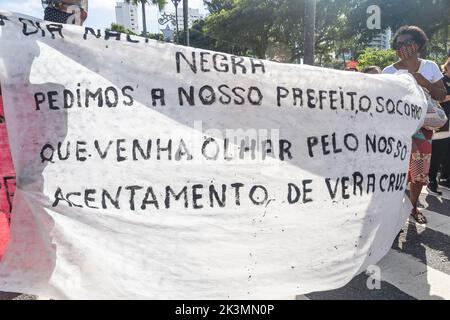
(205, 61)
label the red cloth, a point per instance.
(4, 234)
(7, 183)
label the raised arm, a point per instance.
(436, 89)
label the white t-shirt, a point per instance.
(430, 70)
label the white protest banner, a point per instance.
(149, 170)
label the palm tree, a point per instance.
(160, 3)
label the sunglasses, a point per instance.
(400, 44)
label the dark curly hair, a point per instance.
(419, 36)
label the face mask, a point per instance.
(71, 15)
(406, 51)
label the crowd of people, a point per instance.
(430, 158)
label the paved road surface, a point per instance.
(417, 267)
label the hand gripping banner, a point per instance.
(152, 171)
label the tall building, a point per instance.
(127, 16)
(193, 15)
(382, 40)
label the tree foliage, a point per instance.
(215, 6)
(439, 46)
(248, 23)
(160, 3)
(200, 39)
(119, 28)
(430, 15)
(275, 27)
(265, 25)
(380, 58)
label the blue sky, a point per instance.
(101, 12)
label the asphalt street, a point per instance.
(416, 268)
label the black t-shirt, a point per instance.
(446, 105)
(446, 81)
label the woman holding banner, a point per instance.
(409, 42)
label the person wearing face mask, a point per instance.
(440, 157)
(409, 42)
(66, 11)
